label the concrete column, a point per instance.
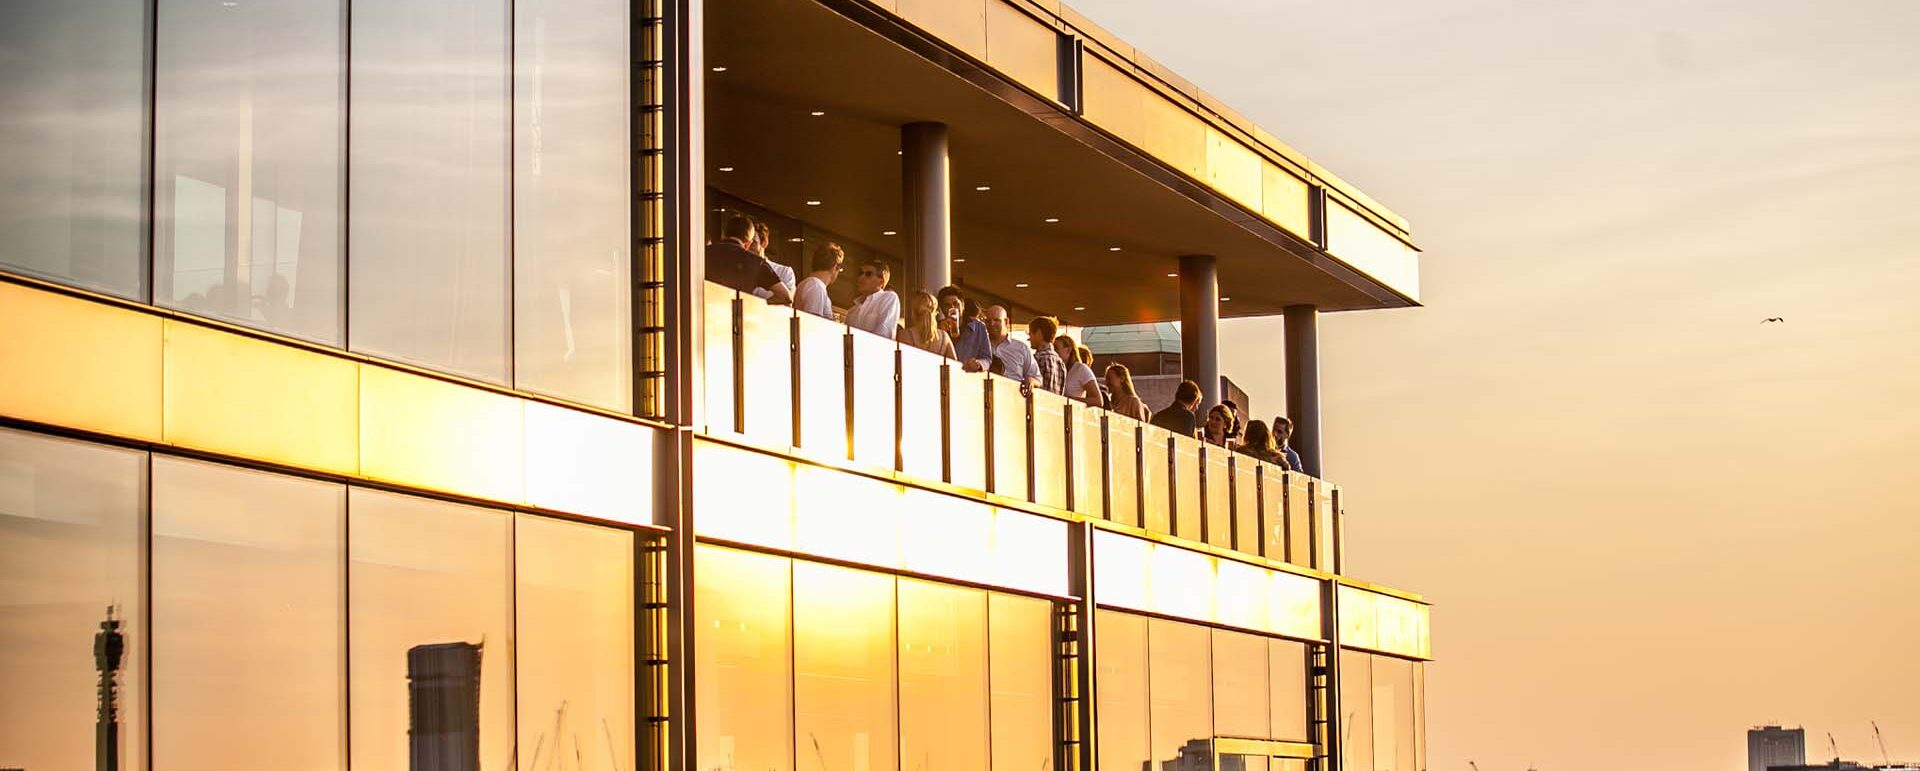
(1303, 383)
(1200, 326)
(927, 206)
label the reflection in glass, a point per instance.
(247, 163)
(1240, 682)
(1179, 698)
(843, 658)
(1287, 667)
(70, 543)
(248, 632)
(943, 677)
(428, 184)
(574, 635)
(1122, 706)
(1020, 661)
(744, 665)
(1393, 715)
(72, 125)
(571, 294)
(1356, 711)
(430, 649)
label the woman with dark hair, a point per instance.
(1218, 426)
(1259, 444)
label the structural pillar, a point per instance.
(926, 206)
(1303, 384)
(1200, 326)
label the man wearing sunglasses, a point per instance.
(876, 308)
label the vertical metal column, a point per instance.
(927, 206)
(1303, 384)
(1200, 326)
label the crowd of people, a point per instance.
(952, 325)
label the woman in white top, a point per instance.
(923, 328)
(1080, 384)
(811, 295)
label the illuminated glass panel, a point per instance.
(846, 516)
(945, 535)
(943, 677)
(248, 634)
(1420, 715)
(843, 658)
(1219, 495)
(1356, 711)
(1246, 504)
(718, 358)
(760, 513)
(1121, 566)
(1186, 488)
(1049, 449)
(430, 645)
(1029, 552)
(1183, 583)
(873, 400)
(1155, 476)
(967, 428)
(574, 643)
(79, 364)
(571, 291)
(961, 23)
(1240, 683)
(429, 195)
(252, 398)
(922, 443)
(1233, 169)
(72, 147)
(1293, 605)
(588, 464)
(1370, 250)
(247, 164)
(1123, 470)
(823, 386)
(1023, 48)
(1122, 708)
(1286, 200)
(1180, 690)
(1287, 665)
(1242, 591)
(1009, 438)
(1089, 461)
(71, 538)
(1020, 668)
(766, 378)
(743, 670)
(416, 430)
(1359, 626)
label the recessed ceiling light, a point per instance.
(1173, 275)
(719, 69)
(726, 168)
(817, 113)
(888, 233)
(1079, 307)
(1051, 220)
(1113, 248)
(983, 188)
(959, 259)
(1226, 299)
(795, 240)
(813, 203)
(1019, 286)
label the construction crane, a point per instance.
(1835, 746)
(1880, 741)
(1476, 766)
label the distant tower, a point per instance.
(1771, 745)
(108, 647)
(443, 694)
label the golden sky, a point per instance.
(1648, 520)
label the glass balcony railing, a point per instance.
(814, 387)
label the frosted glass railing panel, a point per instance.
(967, 428)
(1123, 470)
(1219, 498)
(1009, 438)
(1186, 488)
(874, 401)
(1089, 461)
(1246, 504)
(766, 377)
(718, 355)
(922, 442)
(1155, 461)
(823, 386)
(1049, 449)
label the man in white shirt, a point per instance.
(763, 238)
(1016, 358)
(811, 296)
(876, 308)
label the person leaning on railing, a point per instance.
(1081, 384)
(957, 318)
(1126, 401)
(731, 264)
(922, 330)
(1052, 369)
(876, 308)
(1258, 444)
(1014, 357)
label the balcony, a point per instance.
(811, 387)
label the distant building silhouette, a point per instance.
(443, 695)
(109, 647)
(1770, 746)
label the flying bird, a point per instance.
(1774, 319)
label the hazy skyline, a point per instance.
(1648, 521)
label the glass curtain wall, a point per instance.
(1381, 696)
(573, 629)
(73, 122)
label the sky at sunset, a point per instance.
(1648, 521)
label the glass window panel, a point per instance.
(426, 432)
(1122, 707)
(943, 677)
(843, 658)
(573, 632)
(1154, 470)
(428, 188)
(922, 445)
(72, 142)
(430, 647)
(248, 638)
(1050, 449)
(71, 532)
(947, 535)
(253, 398)
(1240, 683)
(718, 358)
(1420, 716)
(94, 366)
(1183, 583)
(1089, 461)
(1246, 504)
(1120, 565)
(1010, 440)
(967, 428)
(766, 373)
(1123, 470)
(1219, 503)
(1030, 552)
(1180, 692)
(846, 516)
(1287, 688)
(247, 164)
(760, 513)
(1360, 243)
(1356, 711)
(1023, 48)
(743, 670)
(1293, 605)
(1284, 198)
(823, 386)
(873, 399)
(584, 463)
(571, 293)
(1393, 736)
(1020, 666)
(1243, 600)
(1359, 621)
(1186, 488)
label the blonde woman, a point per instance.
(1125, 400)
(923, 328)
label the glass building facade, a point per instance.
(364, 403)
